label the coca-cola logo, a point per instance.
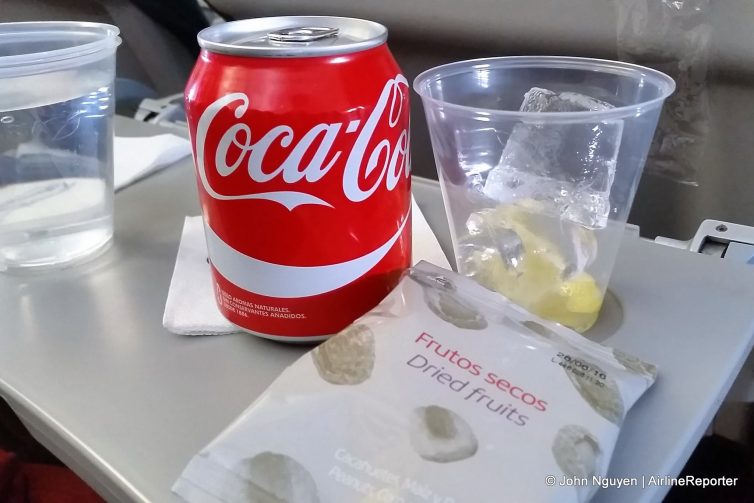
(237, 148)
(287, 166)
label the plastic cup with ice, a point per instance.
(538, 158)
(552, 192)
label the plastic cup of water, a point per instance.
(56, 142)
(539, 159)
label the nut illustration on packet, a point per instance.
(443, 375)
(441, 435)
(602, 394)
(578, 454)
(347, 359)
(453, 310)
(576, 451)
(275, 477)
(632, 363)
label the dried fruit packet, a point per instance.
(445, 392)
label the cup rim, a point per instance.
(109, 39)
(664, 83)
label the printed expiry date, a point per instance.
(580, 368)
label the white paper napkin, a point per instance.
(190, 308)
(137, 157)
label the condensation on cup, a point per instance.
(301, 143)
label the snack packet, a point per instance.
(444, 393)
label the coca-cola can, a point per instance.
(300, 131)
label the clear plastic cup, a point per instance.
(56, 142)
(539, 159)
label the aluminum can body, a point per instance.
(303, 173)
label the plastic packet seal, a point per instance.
(444, 392)
(673, 36)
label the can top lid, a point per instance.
(292, 36)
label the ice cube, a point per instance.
(579, 249)
(569, 166)
(544, 100)
(479, 151)
(510, 246)
(488, 236)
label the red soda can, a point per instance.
(300, 131)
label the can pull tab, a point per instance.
(302, 34)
